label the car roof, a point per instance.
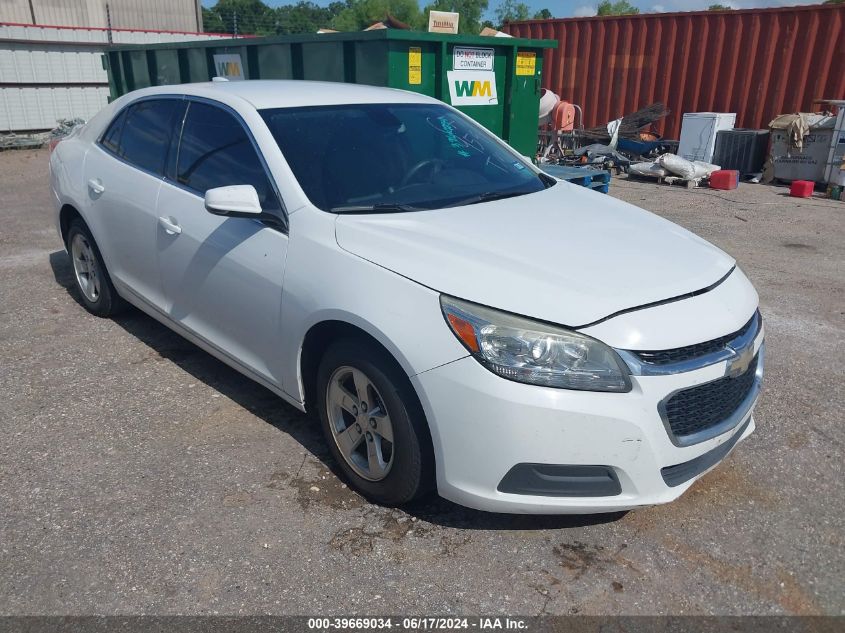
(279, 93)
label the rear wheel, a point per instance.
(373, 424)
(96, 290)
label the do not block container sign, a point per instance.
(495, 80)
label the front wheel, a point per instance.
(373, 423)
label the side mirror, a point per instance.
(236, 201)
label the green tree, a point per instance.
(620, 7)
(247, 17)
(470, 10)
(722, 7)
(833, 1)
(212, 22)
(306, 16)
(362, 13)
(511, 11)
(543, 14)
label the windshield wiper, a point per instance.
(381, 207)
(489, 196)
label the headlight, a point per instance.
(533, 352)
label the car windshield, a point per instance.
(396, 157)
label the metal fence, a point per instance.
(757, 63)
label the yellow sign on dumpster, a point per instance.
(414, 65)
(526, 63)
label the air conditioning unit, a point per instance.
(742, 150)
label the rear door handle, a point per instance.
(171, 227)
(96, 186)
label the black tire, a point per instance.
(107, 302)
(411, 473)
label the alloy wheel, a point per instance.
(85, 267)
(360, 423)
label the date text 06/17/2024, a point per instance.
(417, 623)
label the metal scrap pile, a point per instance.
(612, 145)
(31, 141)
(631, 125)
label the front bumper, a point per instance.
(482, 426)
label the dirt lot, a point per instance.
(138, 474)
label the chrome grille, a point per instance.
(691, 352)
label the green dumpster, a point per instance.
(495, 80)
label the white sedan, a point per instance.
(458, 320)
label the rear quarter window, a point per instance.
(111, 139)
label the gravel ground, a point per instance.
(140, 475)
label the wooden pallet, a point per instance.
(678, 180)
(668, 180)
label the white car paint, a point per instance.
(540, 258)
(249, 294)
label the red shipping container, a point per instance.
(758, 63)
(724, 179)
(801, 188)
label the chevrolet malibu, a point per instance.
(457, 319)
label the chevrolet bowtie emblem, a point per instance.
(738, 364)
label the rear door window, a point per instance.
(146, 134)
(215, 151)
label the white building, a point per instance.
(148, 15)
(51, 64)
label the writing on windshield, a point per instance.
(397, 156)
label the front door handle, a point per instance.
(171, 227)
(96, 186)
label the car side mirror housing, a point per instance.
(235, 201)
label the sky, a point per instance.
(583, 8)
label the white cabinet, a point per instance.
(698, 133)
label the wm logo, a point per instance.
(473, 89)
(230, 69)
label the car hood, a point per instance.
(566, 254)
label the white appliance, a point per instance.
(698, 133)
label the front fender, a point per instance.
(325, 283)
